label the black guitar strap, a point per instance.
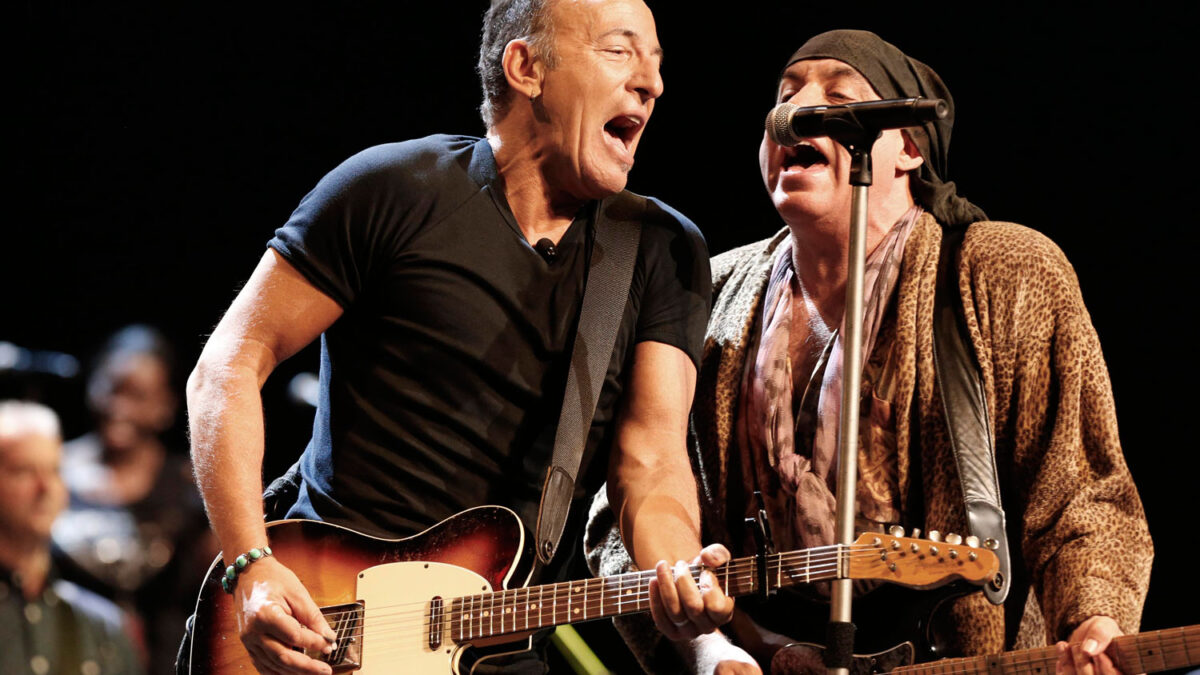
(614, 253)
(965, 404)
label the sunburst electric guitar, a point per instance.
(441, 601)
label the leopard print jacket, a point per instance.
(1080, 531)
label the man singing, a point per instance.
(768, 401)
(444, 276)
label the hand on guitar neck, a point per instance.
(683, 609)
(274, 613)
(1084, 652)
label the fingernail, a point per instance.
(1090, 646)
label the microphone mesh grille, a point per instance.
(779, 124)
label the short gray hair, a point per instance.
(505, 21)
(19, 419)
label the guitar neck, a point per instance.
(1142, 653)
(523, 609)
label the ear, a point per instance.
(523, 69)
(910, 156)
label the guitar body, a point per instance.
(398, 583)
(808, 658)
(893, 629)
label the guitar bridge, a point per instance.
(347, 623)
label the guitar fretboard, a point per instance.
(1143, 653)
(523, 609)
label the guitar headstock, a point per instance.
(919, 563)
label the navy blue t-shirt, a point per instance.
(441, 384)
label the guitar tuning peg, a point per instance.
(916, 533)
(972, 541)
(934, 535)
(953, 539)
(896, 531)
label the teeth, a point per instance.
(626, 122)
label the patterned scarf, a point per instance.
(796, 472)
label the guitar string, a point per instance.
(777, 560)
(640, 578)
(478, 627)
(590, 604)
(623, 583)
(578, 611)
(510, 610)
(1170, 643)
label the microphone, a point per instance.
(546, 249)
(788, 124)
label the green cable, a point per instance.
(577, 653)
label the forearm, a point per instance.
(654, 496)
(226, 426)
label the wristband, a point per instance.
(240, 563)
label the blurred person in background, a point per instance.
(135, 529)
(47, 624)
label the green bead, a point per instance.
(231, 573)
(267, 550)
(241, 562)
(226, 585)
(254, 554)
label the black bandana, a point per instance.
(895, 75)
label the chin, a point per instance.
(605, 185)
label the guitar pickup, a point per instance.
(347, 623)
(436, 610)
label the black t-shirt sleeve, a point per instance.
(678, 290)
(350, 228)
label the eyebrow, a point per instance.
(633, 35)
(842, 71)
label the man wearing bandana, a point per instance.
(766, 412)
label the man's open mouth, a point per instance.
(803, 156)
(624, 128)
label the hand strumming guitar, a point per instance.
(274, 614)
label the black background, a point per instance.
(156, 148)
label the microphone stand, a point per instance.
(855, 126)
(840, 637)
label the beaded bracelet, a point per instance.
(240, 563)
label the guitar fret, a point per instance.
(1157, 662)
(1187, 652)
(505, 609)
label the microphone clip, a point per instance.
(546, 249)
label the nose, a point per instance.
(808, 95)
(647, 80)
